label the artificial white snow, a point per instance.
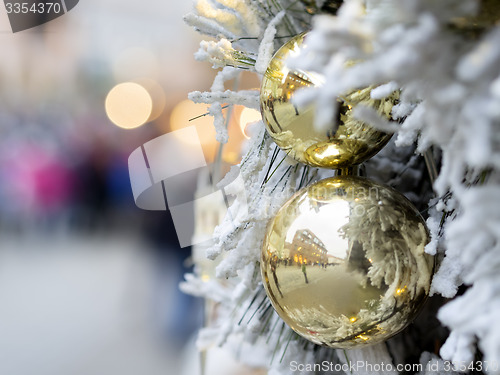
(248, 98)
(384, 91)
(370, 116)
(433, 226)
(226, 74)
(266, 47)
(450, 100)
(409, 130)
(459, 349)
(482, 60)
(246, 15)
(219, 54)
(221, 134)
(207, 26)
(223, 17)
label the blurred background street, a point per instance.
(89, 282)
(89, 305)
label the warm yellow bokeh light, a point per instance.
(187, 110)
(157, 95)
(248, 116)
(129, 105)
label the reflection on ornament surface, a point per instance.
(343, 262)
(348, 142)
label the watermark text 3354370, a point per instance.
(27, 14)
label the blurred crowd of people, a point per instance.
(73, 179)
(49, 180)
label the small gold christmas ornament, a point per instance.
(343, 262)
(347, 143)
(329, 6)
(487, 17)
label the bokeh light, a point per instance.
(157, 95)
(129, 105)
(248, 116)
(185, 111)
(180, 118)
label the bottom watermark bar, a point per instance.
(353, 367)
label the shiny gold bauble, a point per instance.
(343, 262)
(347, 143)
(328, 7)
(488, 16)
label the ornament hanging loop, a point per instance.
(354, 170)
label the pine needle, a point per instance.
(207, 113)
(279, 341)
(275, 169)
(258, 308)
(286, 347)
(249, 306)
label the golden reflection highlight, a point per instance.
(343, 262)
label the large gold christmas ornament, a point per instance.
(343, 262)
(347, 143)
